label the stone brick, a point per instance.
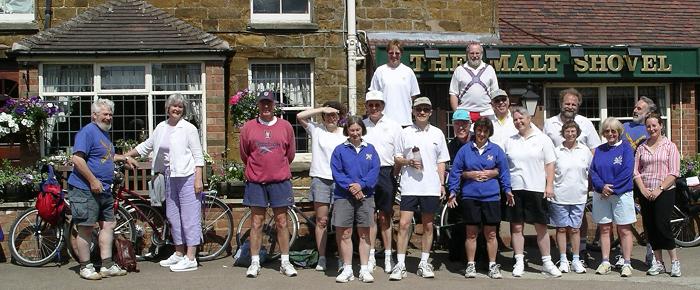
(165, 3)
(315, 39)
(213, 3)
(250, 40)
(283, 40)
(72, 3)
(337, 63)
(379, 25)
(210, 25)
(223, 13)
(440, 4)
(406, 14)
(399, 24)
(63, 14)
(372, 3)
(378, 13)
(191, 13)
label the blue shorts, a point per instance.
(272, 195)
(566, 215)
(422, 204)
(618, 209)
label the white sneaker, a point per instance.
(564, 266)
(371, 263)
(620, 262)
(398, 273)
(518, 269)
(112, 271)
(287, 269)
(184, 265)
(495, 271)
(253, 270)
(470, 272)
(676, 268)
(172, 260)
(387, 265)
(550, 269)
(345, 276)
(626, 271)
(321, 265)
(89, 273)
(656, 269)
(578, 267)
(425, 270)
(366, 277)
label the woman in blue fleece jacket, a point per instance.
(355, 168)
(611, 174)
(479, 173)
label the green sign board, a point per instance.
(556, 62)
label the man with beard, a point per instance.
(471, 84)
(398, 83)
(635, 132)
(570, 100)
(89, 192)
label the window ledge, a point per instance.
(19, 26)
(283, 26)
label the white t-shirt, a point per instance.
(322, 145)
(476, 99)
(571, 174)
(589, 135)
(433, 150)
(398, 86)
(502, 130)
(526, 160)
(384, 136)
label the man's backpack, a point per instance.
(49, 202)
(123, 254)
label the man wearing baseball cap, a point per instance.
(502, 120)
(264, 142)
(461, 123)
(421, 152)
(383, 133)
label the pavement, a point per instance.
(220, 274)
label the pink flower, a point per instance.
(234, 99)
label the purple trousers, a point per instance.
(184, 210)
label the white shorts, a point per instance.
(616, 208)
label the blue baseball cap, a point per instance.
(461, 115)
(265, 95)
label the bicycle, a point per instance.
(153, 231)
(34, 242)
(685, 218)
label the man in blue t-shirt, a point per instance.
(89, 190)
(635, 132)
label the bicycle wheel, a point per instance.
(150, 230)
(217, 228)
(685, 228)
(34, 242)
(269, 232)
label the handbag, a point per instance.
(124, 255)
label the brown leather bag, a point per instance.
(123, 254)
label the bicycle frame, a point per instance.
(119, 196)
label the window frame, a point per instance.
(281, 17)
(603, 99)
(19, 17)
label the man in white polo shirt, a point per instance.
(472, 83)
(421, 152)
(502, 119)
(570, 100)
(398, 83)
(383, 134)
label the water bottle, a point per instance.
(416, 157)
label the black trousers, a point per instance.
(656, 217)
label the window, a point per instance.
(16, 10)
(138, 91)
(292, 82)
(611, 100)
(271, 11)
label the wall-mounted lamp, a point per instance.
(431, 53)
(576, 52)
(530, 98)
(634, 51)
(493, 53)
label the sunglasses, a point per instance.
(423, 109)
(500, 100)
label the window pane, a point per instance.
(295, 6)
(657, 94)
(67, 78)
(590, 107)
(296, 85)
(300, 135)
(266, 6)
(123, 77)
(16, 6)
(130, 120)
(177, 77)
(620, 101)
(60, 131)
(194, 109)
(265, 77)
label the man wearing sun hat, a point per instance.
(502, 120)
(264, 142)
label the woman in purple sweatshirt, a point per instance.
(613, 201)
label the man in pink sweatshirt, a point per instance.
(267, 148)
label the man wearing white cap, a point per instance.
(422, 153)
(383, 134)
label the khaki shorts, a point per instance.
(88, 208)
(347, 212)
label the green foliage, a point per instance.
(244, 107)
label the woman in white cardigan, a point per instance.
(177, 154)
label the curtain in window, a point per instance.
(17, 6)
(177, 77)
(123, 77)
(67, 78)
(296, 85)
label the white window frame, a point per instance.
(280, 17)
(299, 157)
(603, 99)
(148, 91)
(19, 17)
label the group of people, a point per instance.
(497, 159)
